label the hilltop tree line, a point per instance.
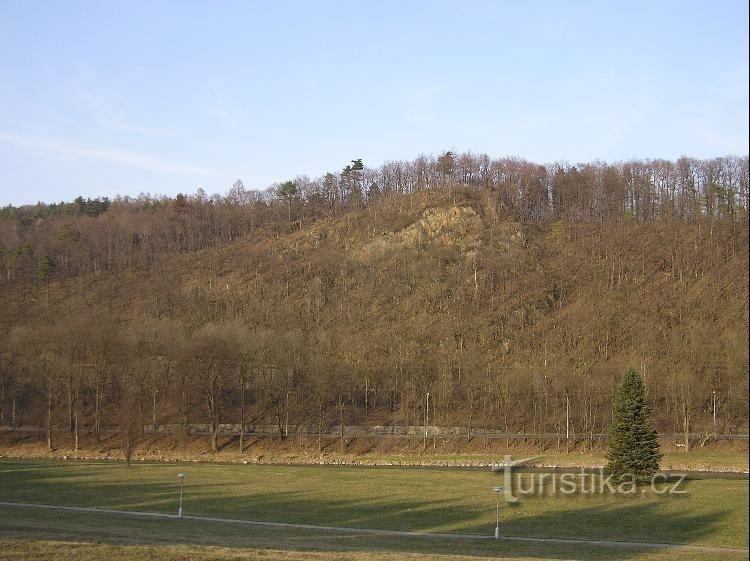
(312, 303)
(99, 235)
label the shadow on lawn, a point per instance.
(57, 484)
(106, 528)
(627, 519)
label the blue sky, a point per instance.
(99, 98)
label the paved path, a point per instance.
(561, 541)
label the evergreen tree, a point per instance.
(633, 443)
(288, 191)
(46, 267)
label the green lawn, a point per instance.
(34, 535)
(712, 512)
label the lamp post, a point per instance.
(426, 419)
(497, 490)
(713, 399)
(181, 477)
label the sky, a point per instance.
(102, 97)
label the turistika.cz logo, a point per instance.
(518, 483)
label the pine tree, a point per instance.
(633, 443)
(46, 267)
(288, 191)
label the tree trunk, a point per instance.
(141, 413)
(212, 405)
(242, 412)
(286, 416)
(214, 424)
(154, 416)
(98, 404)
(320, 428)
(75, 430)
(49, 414)
(279, 418)
(341, 423)
(185, 412)
(97, 414)
(213, 395)
(70, 404)
(214, 438)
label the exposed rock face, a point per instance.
(458, 226)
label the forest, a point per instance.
(515, 294)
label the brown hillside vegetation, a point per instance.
(353, 315)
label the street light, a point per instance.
(713, 399)
(497, 490)
(181, 477)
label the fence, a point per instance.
(382, 431)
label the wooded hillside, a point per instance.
(515, 294)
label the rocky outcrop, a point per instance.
(457, 226)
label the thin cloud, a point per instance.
(109, 109)
(113, 155)
(122, 126)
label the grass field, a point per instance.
(713, 512)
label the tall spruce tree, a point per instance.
(633, 443)
(46, 267)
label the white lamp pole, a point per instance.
(713, 395)
(427, 416)
(181, 477)
(497, 490)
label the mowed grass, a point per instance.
(34, 535)
(711, 512)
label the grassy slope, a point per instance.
(713, 512)
(726, 456)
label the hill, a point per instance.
(354, 316)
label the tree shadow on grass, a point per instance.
(57, 484)
(626, 519)
(108, 528)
